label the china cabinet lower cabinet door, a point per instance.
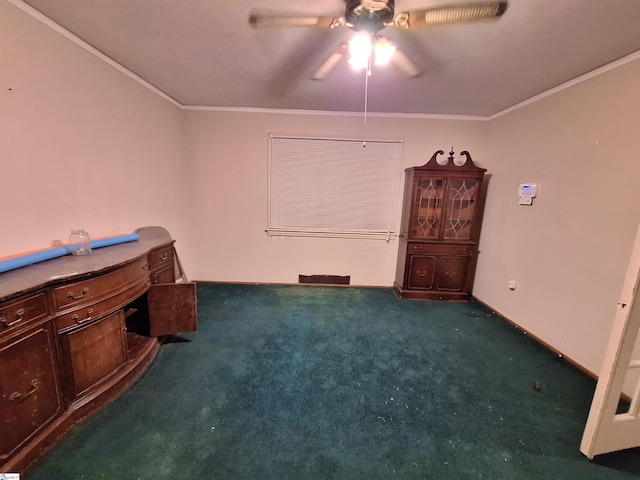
(451, 273)
(422, 271)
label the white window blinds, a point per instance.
(333, 187)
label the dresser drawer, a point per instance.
(163, 275)
(22, 311)
(432, 249)
(79, 293)
(89, 313)
(161, 257)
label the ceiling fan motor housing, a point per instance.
(369, 16)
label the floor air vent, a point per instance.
(325, 279)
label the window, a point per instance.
(333, 187)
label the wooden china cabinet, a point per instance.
(76, 332)
(441, 218)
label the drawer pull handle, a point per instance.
(85, 290)
(421, 274)
(19, 316)
(76, 318)
(164, 256)
(145, 266)
(19, 398)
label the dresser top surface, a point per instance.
(71, 267)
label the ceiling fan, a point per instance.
(367, 18)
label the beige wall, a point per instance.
(81, 144)
(569, 250)
(228, 165)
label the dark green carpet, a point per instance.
(343, 383)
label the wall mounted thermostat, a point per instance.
(527, 192)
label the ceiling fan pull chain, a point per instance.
(367, 72)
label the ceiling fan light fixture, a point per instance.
(366, 18)
(383, 51)
(360, 48)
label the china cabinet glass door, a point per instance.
(461, 204)
(428, 208)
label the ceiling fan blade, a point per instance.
(451, 14)
(266, 21)
(404, 64)
(330, 63)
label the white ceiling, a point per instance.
(204, 53)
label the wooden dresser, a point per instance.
(77, 331)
